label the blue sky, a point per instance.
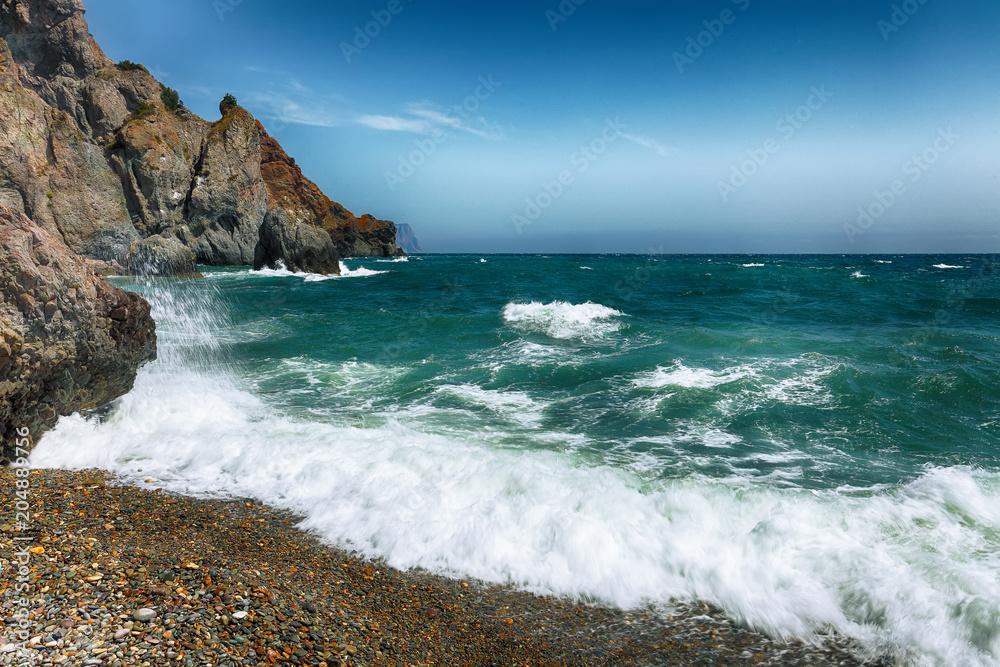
(678, 126)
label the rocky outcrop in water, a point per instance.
(69, 341)
(297, 246)
(101, 155)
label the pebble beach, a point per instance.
(121, 575)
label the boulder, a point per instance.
(159, 256)
(300, 247)
(69, 341)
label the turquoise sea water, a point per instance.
(811, 443)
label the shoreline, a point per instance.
(234, 582)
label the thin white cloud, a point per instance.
(651, 144)
(286, 101)
(436, 117)
(422, 119)
(394, 124)
(457, 119)
(283, 109)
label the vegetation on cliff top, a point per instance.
(227, 104)
(171, 100)
(129, 66)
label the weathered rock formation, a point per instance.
(299, 247)
(69, 341)
(406, 239)
(97, 155)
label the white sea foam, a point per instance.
(528, 353)
(560, 319)
(947, 266)
(394, 260)
(280, 271)
(858, 274)
(360, 272)
(795, 381)
(748, 266)
(345, 272)
(911, 569)
(805, 386)
(361, 381)
(679, 375)
(514, 405)
(914, 568)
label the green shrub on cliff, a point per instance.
(227, 104)
(129, 66)
(144, 110)
(171, 100)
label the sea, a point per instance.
(809, 443)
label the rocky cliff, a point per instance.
(69, 341)
(102, 156)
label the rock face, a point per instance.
(90, 151)
(227, 204)
(299, 246)
(69, 341)
(406, 239)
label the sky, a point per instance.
(759, 126)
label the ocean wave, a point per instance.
(912, 570)
(360, 272)
(514, 405)
(947, 266)
(749, 266)
(858, 274)
(680, 375)
(280, 271)
(345, 272)
(797, 381)
(563, 320)
(393, 260)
